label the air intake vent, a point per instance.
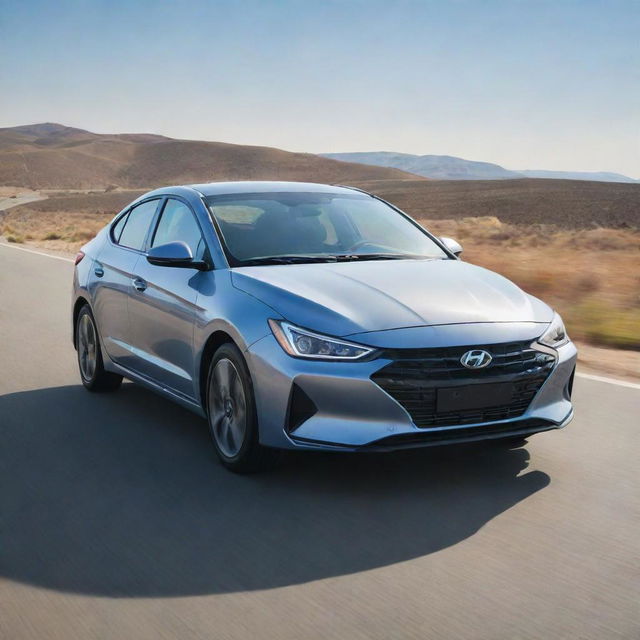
(301, 408)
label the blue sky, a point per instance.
(526, 84)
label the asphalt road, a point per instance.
(117, 522)
(21, 198)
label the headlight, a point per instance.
(555, 335)
(306, 344)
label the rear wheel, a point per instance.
(232, 416)
(92, 372)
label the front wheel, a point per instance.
(92, 372)
(232, 416)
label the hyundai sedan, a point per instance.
(307, 316)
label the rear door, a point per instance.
(162, 315)
(113, 275)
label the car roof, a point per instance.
(251, 186)
(246, 186)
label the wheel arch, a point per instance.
(213, 343)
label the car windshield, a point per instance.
(282, 228)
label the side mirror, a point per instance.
(175, 254)
(452, 245)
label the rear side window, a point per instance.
(137, 225)
(177, 224)
(116, 230)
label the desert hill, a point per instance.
(54, 156)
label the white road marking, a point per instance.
(588, 376)
(620, 383)
(38, 253)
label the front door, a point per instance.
(162, 307)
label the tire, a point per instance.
(92, 372)
(232, 416)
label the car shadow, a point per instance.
(120, 495)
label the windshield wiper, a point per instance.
(288, 259)
(377, 256)
(317, 258)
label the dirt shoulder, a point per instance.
(617, 363)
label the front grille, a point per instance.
(415, 375)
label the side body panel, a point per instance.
(223, 308)
(110, 285)
(162, 319)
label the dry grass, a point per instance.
(58, 230)
(65, 220)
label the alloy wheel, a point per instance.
(87, 347)
(228, 408)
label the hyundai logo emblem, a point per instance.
(476, 359)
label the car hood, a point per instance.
(346, 298)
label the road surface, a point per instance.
(21, 198)
(117, 522)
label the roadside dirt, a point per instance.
(619, 363)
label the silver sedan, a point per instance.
(307, 316)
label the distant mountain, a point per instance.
(595, 176)
(452, 168)
(437, 167)
(54, 156)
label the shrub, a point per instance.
(82, 235)
(606, 325)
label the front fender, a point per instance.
(221, 307)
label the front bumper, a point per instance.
(352, 412)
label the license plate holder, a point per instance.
(474, 396)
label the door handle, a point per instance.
(98, 270)
(139, 284)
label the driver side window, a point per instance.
(178, 224)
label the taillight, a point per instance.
(79, 257)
